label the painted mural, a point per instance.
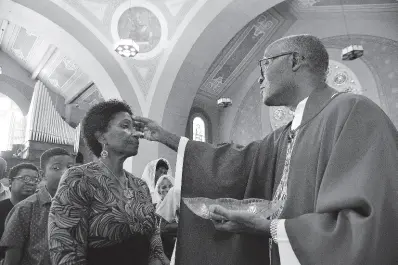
(235, 56)
(141, 25)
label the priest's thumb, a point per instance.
(218, 212)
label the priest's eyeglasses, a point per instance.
(266, 61)
(28, 179)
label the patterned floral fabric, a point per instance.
(88, 211)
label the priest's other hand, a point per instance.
(236, 221)
(147, 129)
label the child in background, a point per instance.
(25, 235)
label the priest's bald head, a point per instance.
(291, 68)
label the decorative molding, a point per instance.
(88, 97)
(3, 27)
(13, 36)
(305, 6)
(97, 9)
(44, 60)
(66, 66)
(305, 3)
(221, 75)
(143, 71)
(175, 6)
(68, 86)
(33, 50)
(205, 94)
(144, 74)
(18, 48)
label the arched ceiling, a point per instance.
(42, 60)
(58, 27)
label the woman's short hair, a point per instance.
(97, 120)
(162, 163)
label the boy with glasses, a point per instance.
(23, 180)
(25, 236)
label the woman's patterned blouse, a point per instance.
(88, 211)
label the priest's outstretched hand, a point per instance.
(236, 221)
(147, 128)
(152, 131)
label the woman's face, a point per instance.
(160, 172)
(119, 137)
(164, 187)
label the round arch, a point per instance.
(80, 43)
(12, 88)
(198, 112)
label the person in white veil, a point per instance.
(152, 172)
(162, 187)
(167, 208)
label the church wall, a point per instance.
(245, 122)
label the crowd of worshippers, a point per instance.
(25, 205)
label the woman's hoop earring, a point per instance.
(104, 153)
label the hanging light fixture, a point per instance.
(127, 47)
(352, 51)
(224, 102)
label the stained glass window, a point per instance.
(199, 129)
(13, 121)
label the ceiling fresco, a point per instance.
(150, 23)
